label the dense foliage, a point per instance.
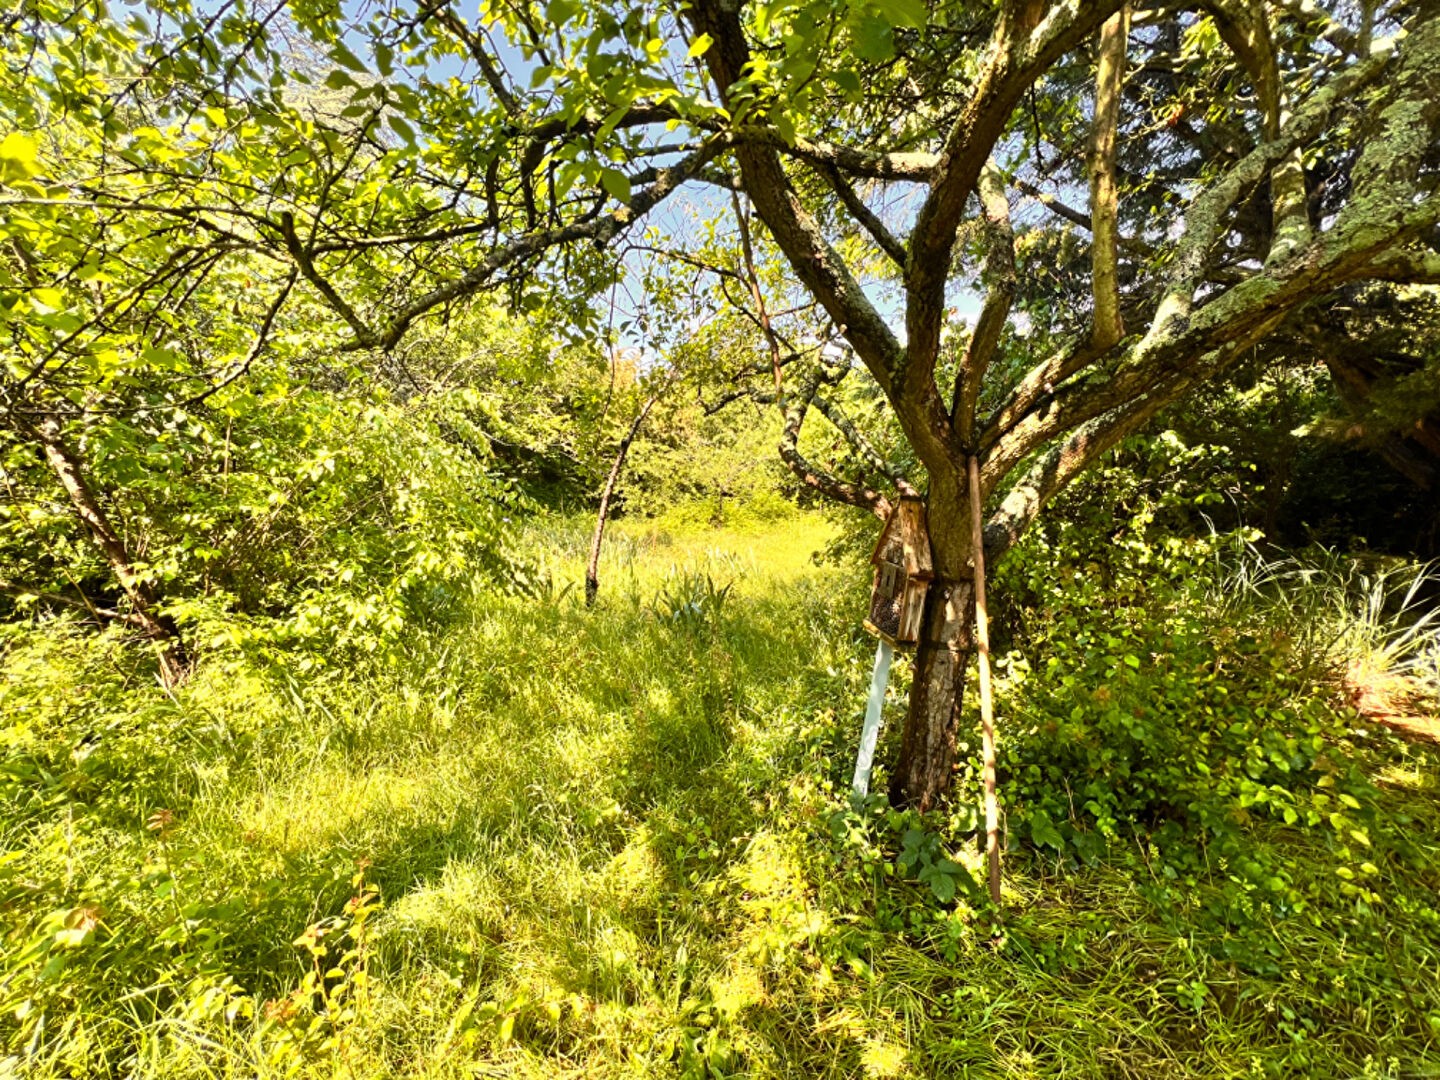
(329, 333)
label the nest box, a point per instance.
(903, 572)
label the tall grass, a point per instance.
(602, 846)
(1342, 612)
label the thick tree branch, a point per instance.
(1107, 328)
(1242, 314)
(1305, 11)
(799, 236)
(1061, 463)
(1387, 211)
(1056, 468)
(915, 166)
(1206, 217)
(1401, 135)
(1027, 39)
(1245, 27)
(1408, 267)
(305, 261)
(1000, 279)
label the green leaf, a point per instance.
(47, 299)
(1043, 831)
(608, 125)
(700, 46)
(785, 126)
(616, 183)
(912, 13)
(560, 12)
(873, 39)
(399, 125)
(345, 58)
(17, 157)
(943, 886)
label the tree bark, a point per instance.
(144, 601)
(592, 568)
(1412, 450)
(1245, 27)
(927, 751)
(1104, 215)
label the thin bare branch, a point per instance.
(864, 215)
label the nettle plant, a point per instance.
(1240, 163)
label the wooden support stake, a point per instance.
(987, 704)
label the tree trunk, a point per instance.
(927, 752)
(592, 568)
(159, 628)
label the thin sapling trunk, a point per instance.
(144, 602)
(592, 568)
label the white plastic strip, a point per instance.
(870, 733)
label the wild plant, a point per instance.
(689, 600)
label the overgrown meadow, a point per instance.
(536, 840)
(348, 351)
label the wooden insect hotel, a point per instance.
(903, 572)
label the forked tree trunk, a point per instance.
(144, 602)
(927, 751)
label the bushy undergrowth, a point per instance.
(551, 842)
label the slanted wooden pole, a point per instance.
(987, 703)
